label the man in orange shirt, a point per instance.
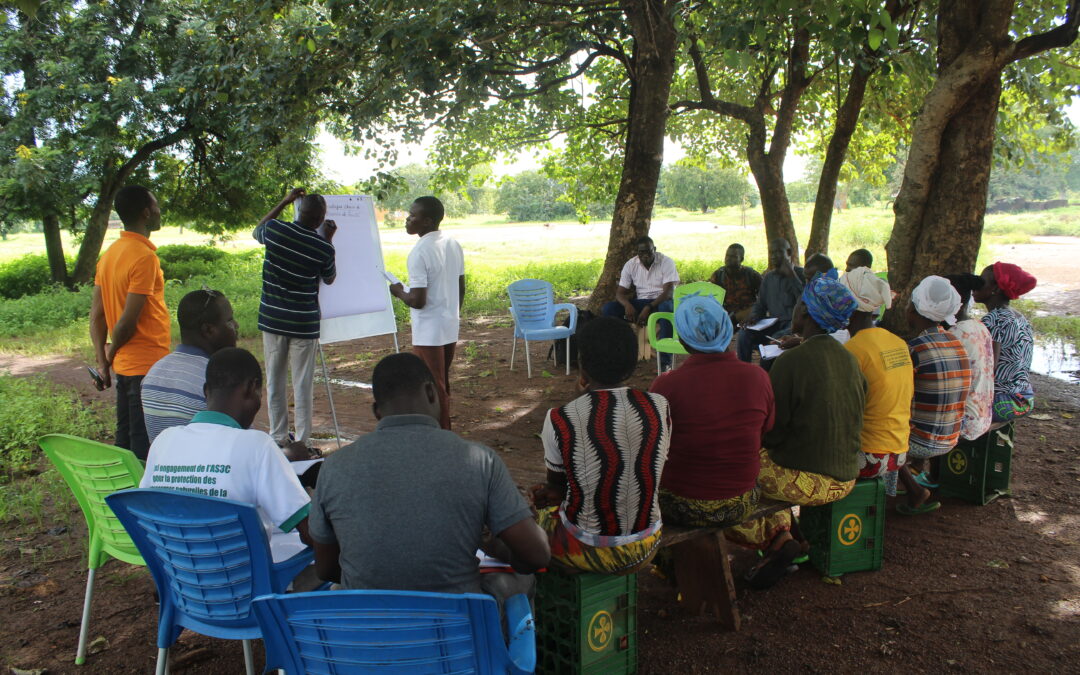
(129, 304)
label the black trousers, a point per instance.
(130, 423)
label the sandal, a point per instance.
(775, 566)
(924, 480)
(925, 507)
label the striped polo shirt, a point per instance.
(612, 445)
(296, 258)
(942, 382)
(172, 392)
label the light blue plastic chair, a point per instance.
(395, 632)
(209, 558)
(533, 307)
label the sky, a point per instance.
(350, 169)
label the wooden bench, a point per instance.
(702, 569)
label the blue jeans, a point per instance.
(663, 328)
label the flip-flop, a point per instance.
(766, 576)
(922, 480)
(925, 507)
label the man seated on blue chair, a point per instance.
(646, 285)
(219, 455)
(406, 506)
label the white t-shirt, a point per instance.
(435, 263)
(212, 456)
(648, 283)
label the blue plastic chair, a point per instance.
(209, 558)
(395, 632)
(533, 307)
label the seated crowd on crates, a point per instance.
(408, 505)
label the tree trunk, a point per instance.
(86, 262)
(653, 65)
(941, 203)
(847, 118)
(54, 248)
(768, 171)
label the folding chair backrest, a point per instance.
(209, 557)
(532, 301)
(93, 471)
(702, 288)
(385, 631)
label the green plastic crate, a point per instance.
(978, 471)
(586, 623)
(847, 535)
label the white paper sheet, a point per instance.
(770, 352)
(763, 324)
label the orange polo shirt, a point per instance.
(131, 265)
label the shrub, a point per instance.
(25, 276)
(183, 261)
(34, 407)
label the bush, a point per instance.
(34, 407)
(26, 276)
(53, 308)
(183, 261)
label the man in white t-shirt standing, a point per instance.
(437, 289)
(646, 285)
(218, 455)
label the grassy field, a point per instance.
(567, 253)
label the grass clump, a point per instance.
(33, 407)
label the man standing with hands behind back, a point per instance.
(437, 290)
(297, 257)
(129, 304)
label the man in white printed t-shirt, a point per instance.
(437, 289)
(217, 455)
(646, 285)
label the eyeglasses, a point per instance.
(210, 295)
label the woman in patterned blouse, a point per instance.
(1013, 339)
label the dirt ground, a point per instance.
(965, 589)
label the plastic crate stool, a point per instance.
(586, 623)
(978, 471)
(847, 535)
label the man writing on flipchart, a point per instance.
(296, 258)
(437, 289)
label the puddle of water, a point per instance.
(1056, 359)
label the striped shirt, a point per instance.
(611, 444)
(296, 258)
(942, 382)
(172, 392)
(1016, 344)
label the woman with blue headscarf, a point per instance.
(720, 409)
(811, 455)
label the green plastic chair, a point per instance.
(671, 345)
(94, 471)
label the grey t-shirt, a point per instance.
(407, 504)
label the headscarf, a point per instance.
(936, 299)
(1012, 280)
(870, 290)
(702, 323)
(829, 303)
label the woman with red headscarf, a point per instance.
(1013, 339)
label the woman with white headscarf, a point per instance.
(885, 363)
(720, 410)
(942, 382)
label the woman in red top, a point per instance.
(720, 409)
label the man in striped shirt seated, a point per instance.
(172, 391)
(297, 257)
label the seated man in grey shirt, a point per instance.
(405, 507)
